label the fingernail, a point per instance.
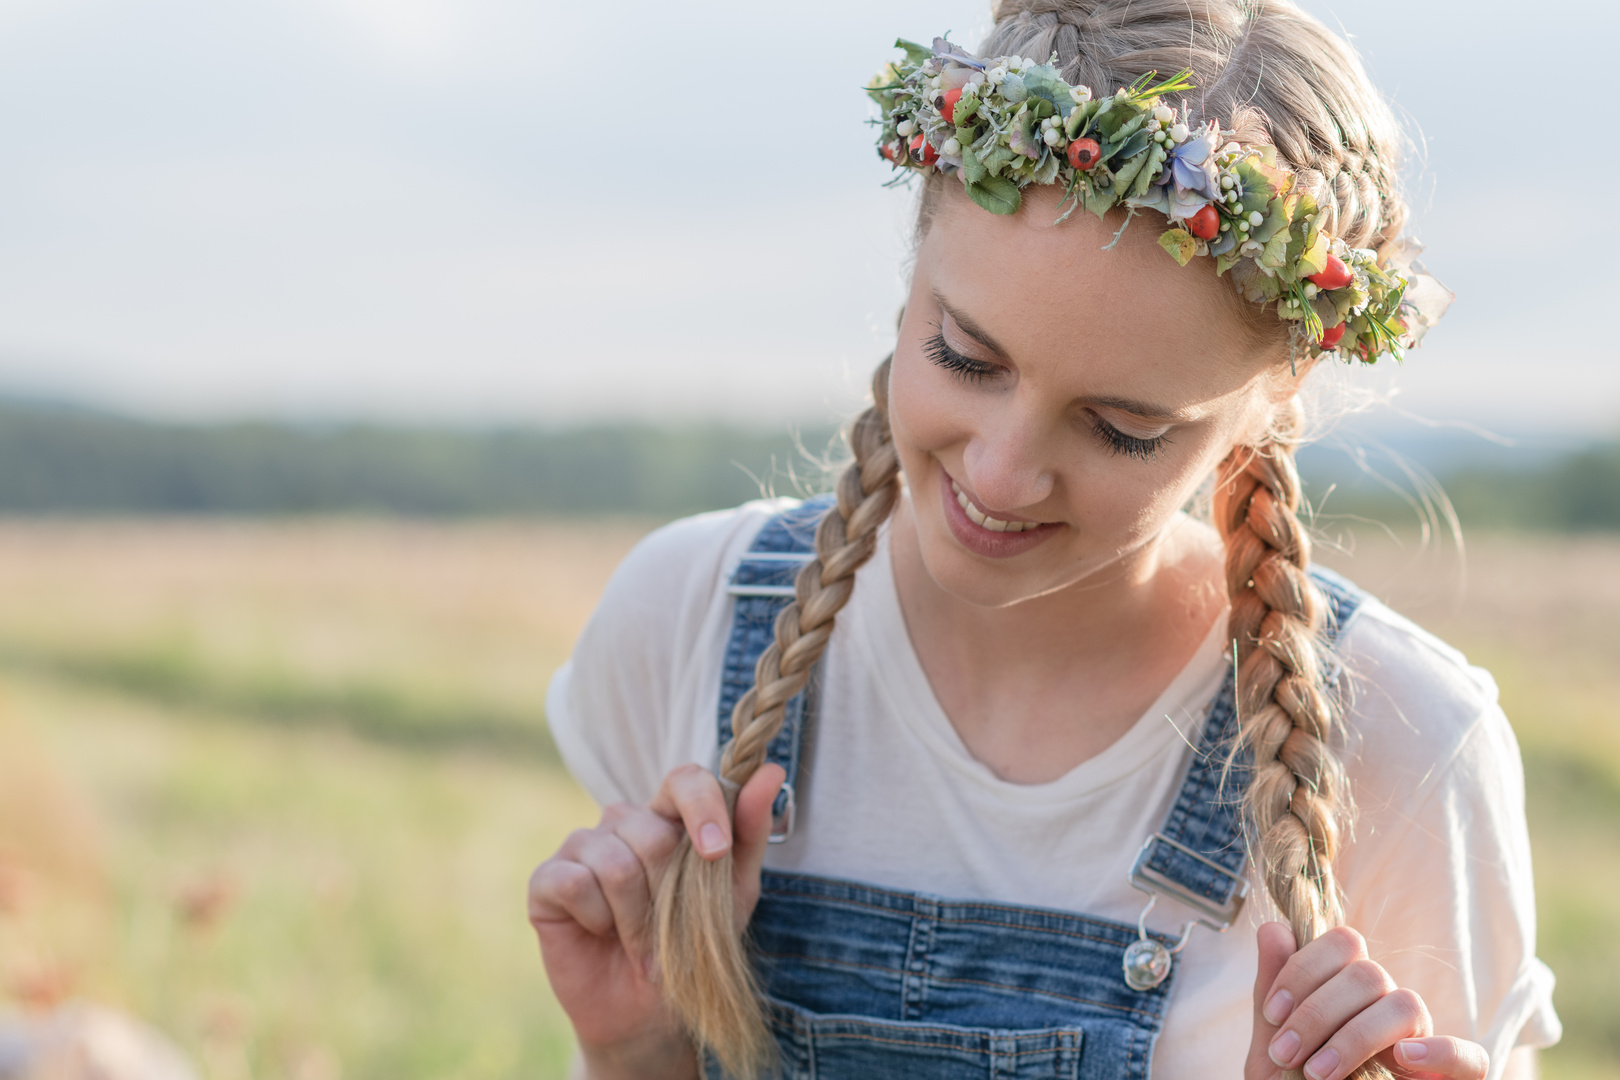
(1322, 1065)
(711, 838)
(1413, 1051)
(1278, 1008)
(1284, 1047)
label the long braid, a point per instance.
(1297, 795)
(705, 967)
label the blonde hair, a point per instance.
(1273, 74)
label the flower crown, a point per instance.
(1005, 123)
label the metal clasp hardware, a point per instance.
(782, 827)
(1147, 962)
(785, 591)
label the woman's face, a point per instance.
(1072, 398)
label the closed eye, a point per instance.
(1129, 445)
(964, 367)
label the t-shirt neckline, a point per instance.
(884, 645)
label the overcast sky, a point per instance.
(525, 209)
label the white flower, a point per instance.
(1081, 94)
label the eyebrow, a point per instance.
(978, 333)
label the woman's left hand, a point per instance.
(1327, 1008)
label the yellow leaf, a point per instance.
(1180, 244)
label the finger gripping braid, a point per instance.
(1296, 797)
(707, 975)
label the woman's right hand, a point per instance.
(591, 906)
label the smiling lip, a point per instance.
(995, 543)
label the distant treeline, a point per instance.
(72, 461)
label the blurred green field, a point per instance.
(277, 786)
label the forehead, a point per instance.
(1125, 320)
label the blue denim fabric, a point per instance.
(869, 982)
(864, 982)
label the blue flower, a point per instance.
(1188, 181)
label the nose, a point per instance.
(1005, 462)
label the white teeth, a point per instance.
(984, 520)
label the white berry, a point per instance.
(1255, 218)
(1051, 137)
(951, 148)
(1163, 113)
(1179, 133)
(904, 128)
(1226, 183)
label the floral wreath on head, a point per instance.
(1005, 123)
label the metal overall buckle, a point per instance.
(781, 824)
(1147, 961)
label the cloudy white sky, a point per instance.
(525, 209)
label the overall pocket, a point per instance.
(834, 1047)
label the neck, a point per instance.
(1037, 687)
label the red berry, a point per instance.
(1084, 154)
(1335, 275)
(921, 151)
(1206, 224)
(947, 104)
(888, 150)
(1331, 336)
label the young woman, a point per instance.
(1022, 720)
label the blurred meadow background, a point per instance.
(347, 345)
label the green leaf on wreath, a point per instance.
(973, 170)
(917, 54)
(996, 194)
(1044, 82)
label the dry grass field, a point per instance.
(277, 786)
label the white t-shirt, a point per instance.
(1437, 876)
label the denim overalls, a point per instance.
(867, 983)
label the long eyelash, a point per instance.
(964, 367)
(1129, 445)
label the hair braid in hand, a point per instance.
(704, 965)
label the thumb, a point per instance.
(753, 830)
(1276, 944)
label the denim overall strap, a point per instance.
(1203, 821)
(763, 586)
